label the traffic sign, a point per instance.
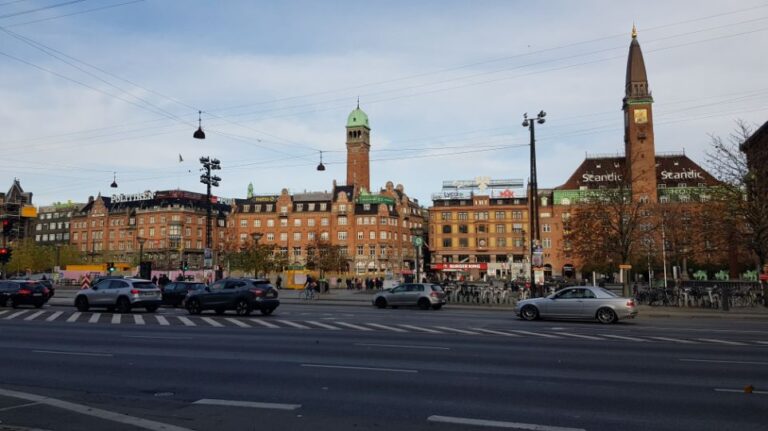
(625, 266)
(418, 241)
(763, 277)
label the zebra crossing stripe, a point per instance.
(674, 340)
(138, 319)
(730, 343)
(94, 318)
(3, 312)
(419, 328)
(32, 316)
(323, 325)
(237, 322)
(621, 337)
(116, 318)
(211, 322)
(460, 331)
(186, 321)
(349, 325)
(162, 320)
(16, 314)
(586, 337)
(491, 331)
(294, 324)
(388, 328)
(263, 323)
(73, 317)
(761, 342)
(53, 316)
(535, 334)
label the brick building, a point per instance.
(15, 206)
(52, 225)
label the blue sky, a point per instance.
(445, 84)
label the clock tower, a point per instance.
(358, 148)
(638, 126)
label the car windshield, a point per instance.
(144, 285)
(437, 288)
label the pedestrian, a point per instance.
(279, 282)
(154, 279)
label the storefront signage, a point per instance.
(459, 266)
(264, 199)
(375, 199)
(147, 195)
(592, 178)
(688, 174)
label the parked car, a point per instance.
(579, 302)
(422, 295)
(121, 294)
(174, 293)
(23, 292)
(240, 294)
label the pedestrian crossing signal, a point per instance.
(111, 267)
(5, 255)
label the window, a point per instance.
(360, 250)
(297, 236)
(342, 221)
(372, 250)
(299, 207)
(482, 228)
(445, 216)
(324, 236)
(324, 221)
(257, 223)
(283, 210)
(463, 228)
(546, 228)
(310, 236)
(382, 235)
(481, 215)
(500, 215)
(447, 242)
(297, 251)
(270, 236)
(546, 243)
(342, 208)
(463, 216)
(342, 235)
(283, 222)
(283, 236)
(360, 235)
(501, 242)
(372, 235)
(310, 222)
(500, 228)
(517, 215)
(270, 223)
(243, 223)
(446, 228)
(463, 242)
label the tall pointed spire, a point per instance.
(637, 80)
(634, 31)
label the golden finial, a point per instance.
(634, 31)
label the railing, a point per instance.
(703, 294)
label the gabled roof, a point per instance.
(760, 135)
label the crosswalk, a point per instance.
(262, 323)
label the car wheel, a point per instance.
(529, 312)
(123, 305)
(39, 304)
(81, 303)
(424, 304)
(437, 306)
(151, 308)
(13, 303)
(193, 307)
(220, 311)
(267, 311)
(242, 308)
(381, 302)
(606, 315)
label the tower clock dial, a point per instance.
(641, 116)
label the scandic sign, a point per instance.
(461, 266)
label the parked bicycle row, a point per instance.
(701, 297)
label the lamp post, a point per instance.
(209, 180)
(534, 195)
(141, 241)
(418, 241)
(256, 237)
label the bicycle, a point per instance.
(308, 294)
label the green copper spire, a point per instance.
(358, 118)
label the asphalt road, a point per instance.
(340, 367)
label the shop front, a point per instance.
(461, 271)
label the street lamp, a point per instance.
(418, 241)
(199, 134)
(209, 180)
(534, 194)
(141, 241)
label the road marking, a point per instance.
(621, 337)
(158, 337)
(761, 342)
(715, 361)
(294, 324)
(20, 406)
(586, 337)
(730, 343)
(95, 412)
(116, 318)
(211, 322)
(460, 331)
(741, 391)
(251, 404)
(674, 340)
(16, 314)
(536, 334)
(358, 327)
(32, 316)
(162, 320)
(94, 318)
(3, 312)
(73, 317)
(138, 319)
(349, 367)
(323, 325)
(419, 328)
(58, 352)
(263, 323)
(497, 424)
(388, 328)
(53, 316)
(237, 322)
(491, 331)
(186, 321)
(402, 346)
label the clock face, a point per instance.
(641, 116)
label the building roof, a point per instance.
(760, 135)
(313, 197)
(358, 118)
(635, 64)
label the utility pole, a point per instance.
(533, 219)
(209, 180)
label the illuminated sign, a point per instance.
(264, 199)
(460, 266)
(688, 174)
(592, 178)
(147, 195)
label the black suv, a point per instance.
(23, 292)
(175, 292)
(240, 294)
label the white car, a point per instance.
(579, 302)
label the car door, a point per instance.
(566, 303)
(590, 304)
(215, 294)
(99, 293)
(114, 290)
(231, 292)
(413, 293)
(397, 296)
(170, 293)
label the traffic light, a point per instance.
(110, 267)
(7, 226)
(5, 255)
(184, 265)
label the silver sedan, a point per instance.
(579, 302)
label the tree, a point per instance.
(27, 255)
(324, 256)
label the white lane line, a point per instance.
(388, 328)
(497, 424)
(586, 337)
(621, 337)
(263, 323)
(16, 314)
(3, 312)
(323, 325)
(294, 324)
(761, 342)
(32, 316)
(162, 320)
(674, 340)
(419, 328)
(211, 322)
(73, 317)
(58, 352)
(402, 346)
(716, 361)
(349, 367)
(237, 322)
(94, 412)
(116, 318)
(459, 331)
(740, 391)
(138, 319)
(186, 321)
(158, 337)
(94, 318)
(536, 334)
(349, 325)
(53, 316)
(251, 404)
(20, 406)
(730, 343)
(491, 331)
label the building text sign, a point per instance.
(460, 266)
(147, 195)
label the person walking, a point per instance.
(279, 282)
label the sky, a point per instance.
(99, 90)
